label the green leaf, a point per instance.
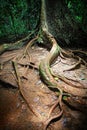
(64, 97)
(40, 40)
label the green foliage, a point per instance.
(78, 9)
(18, 17)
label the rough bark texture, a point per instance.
(63, 26)
(48, 93)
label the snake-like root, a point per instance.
(56, 50)
(45, 71)
(55, 116)
(48, 79)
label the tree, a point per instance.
(45, 33)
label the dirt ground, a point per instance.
(25, 102)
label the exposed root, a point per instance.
(76, 103)
(45, 72)
(75, 65)
(69, 81)
(59, 101)
(13, 46)
(71, 53)
(26, 51)
(20, 85)
(64, 55)
(47, 122)
(80, 51)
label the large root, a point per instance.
(44, 67)
(17, 45)
(45, 71)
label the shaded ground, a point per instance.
(26, 106)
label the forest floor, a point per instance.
(25, 104)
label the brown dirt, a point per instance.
(26, 106)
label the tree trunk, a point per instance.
(56, 26)
(63, 26)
